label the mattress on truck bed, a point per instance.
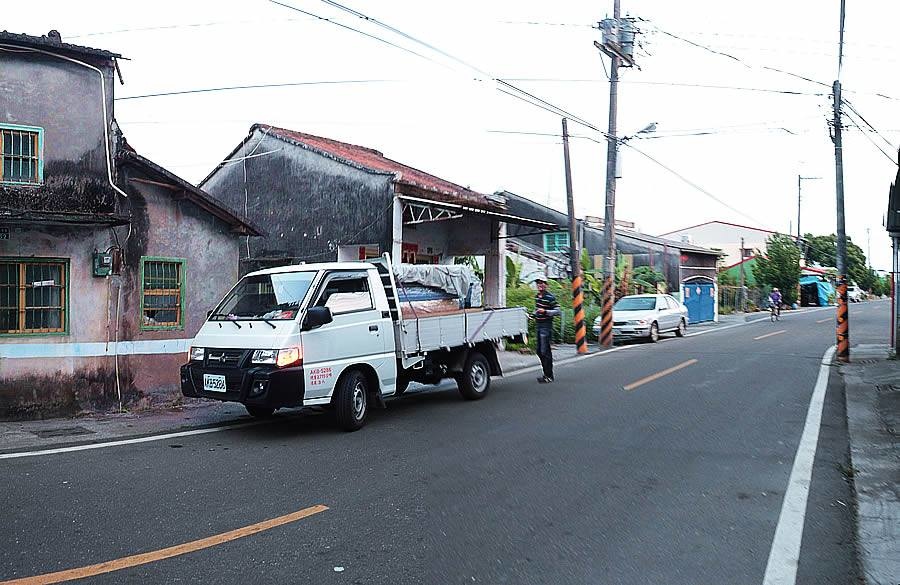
(461, 328)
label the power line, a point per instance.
(865, 133)
(532, 23)
(866, 122)
(397, 31)
(738, 59)
(671, 83)
(257, 86)
(344, 26)
(170, 27)
(526, 97)
(693, 184)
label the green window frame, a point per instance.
(34, 296)
(162, 293)
(21, 155)
(556, 242)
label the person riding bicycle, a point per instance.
(775, 299)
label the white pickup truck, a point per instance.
(334, 335)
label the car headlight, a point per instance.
(264, 356)
(196, 354)
(638, 322)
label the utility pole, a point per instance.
(574, 251)
(843, 314)
(609, 217)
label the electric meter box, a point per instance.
(103, 263)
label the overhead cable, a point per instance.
(258, 86)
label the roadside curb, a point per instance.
(874, 461)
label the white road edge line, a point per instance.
(784, 557)
(167, 436)
(129, 441)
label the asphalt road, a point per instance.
(678, 480)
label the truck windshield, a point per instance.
(266, 296)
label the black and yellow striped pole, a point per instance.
(574, 252)
(606, 321)
(578, 307)
(843, 321)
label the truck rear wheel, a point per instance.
(351, 401)
(475, 379)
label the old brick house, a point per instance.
(108, 262)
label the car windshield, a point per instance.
(635, 304)
(266, 296)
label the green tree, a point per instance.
(513, 273)
(823, 249)
(647, 278)
(780, 267)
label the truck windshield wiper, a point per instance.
(269, 323)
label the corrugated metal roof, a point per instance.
(49, 43)
(371, 159)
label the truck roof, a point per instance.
(314, 267)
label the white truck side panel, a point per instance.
(445, 331)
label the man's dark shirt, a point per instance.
(545, 301)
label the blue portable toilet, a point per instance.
(699, 295)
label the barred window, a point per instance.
(556, 242)
(162, 293)
(33, 296)
(20, 155)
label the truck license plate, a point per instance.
(214, 383)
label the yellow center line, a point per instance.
(823, 320)
(652, 377)
(164, 553)
(754, 339)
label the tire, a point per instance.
(351, 401)
(682, 328)
(475, 379)
(260, 411)
(654, 332)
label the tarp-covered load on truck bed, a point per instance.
(431, 289)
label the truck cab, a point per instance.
(303, 335)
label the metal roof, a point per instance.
(506, 217)
(51, 43)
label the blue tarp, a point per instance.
(824, 289)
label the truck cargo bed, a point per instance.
(464, 327)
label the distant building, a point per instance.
(108, 262)
(724, 236)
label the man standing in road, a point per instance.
(545, 309)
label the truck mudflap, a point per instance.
(254, 386)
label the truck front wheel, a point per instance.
(475, 379)
(351, 401)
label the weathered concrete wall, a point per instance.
(309, 204)
(65, 100)
(163, 226)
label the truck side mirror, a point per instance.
(316, 317)
(209, 314)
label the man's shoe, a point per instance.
(544, 380)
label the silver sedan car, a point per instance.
(647, 316)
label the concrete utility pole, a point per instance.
(843, 315)
(574, 251)
(609, 219)
(742, 300)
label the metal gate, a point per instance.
(700, 300)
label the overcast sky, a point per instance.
(744, 147)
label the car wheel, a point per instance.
(682, 327)
(654, 332)
(475, 379)
(351, 402)
(260, 411)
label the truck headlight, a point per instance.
(196, 354)
(264, 356)
(289, 356)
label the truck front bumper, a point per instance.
(255, 386)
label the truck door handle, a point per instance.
(373, 327)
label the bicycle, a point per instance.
(774, 312)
